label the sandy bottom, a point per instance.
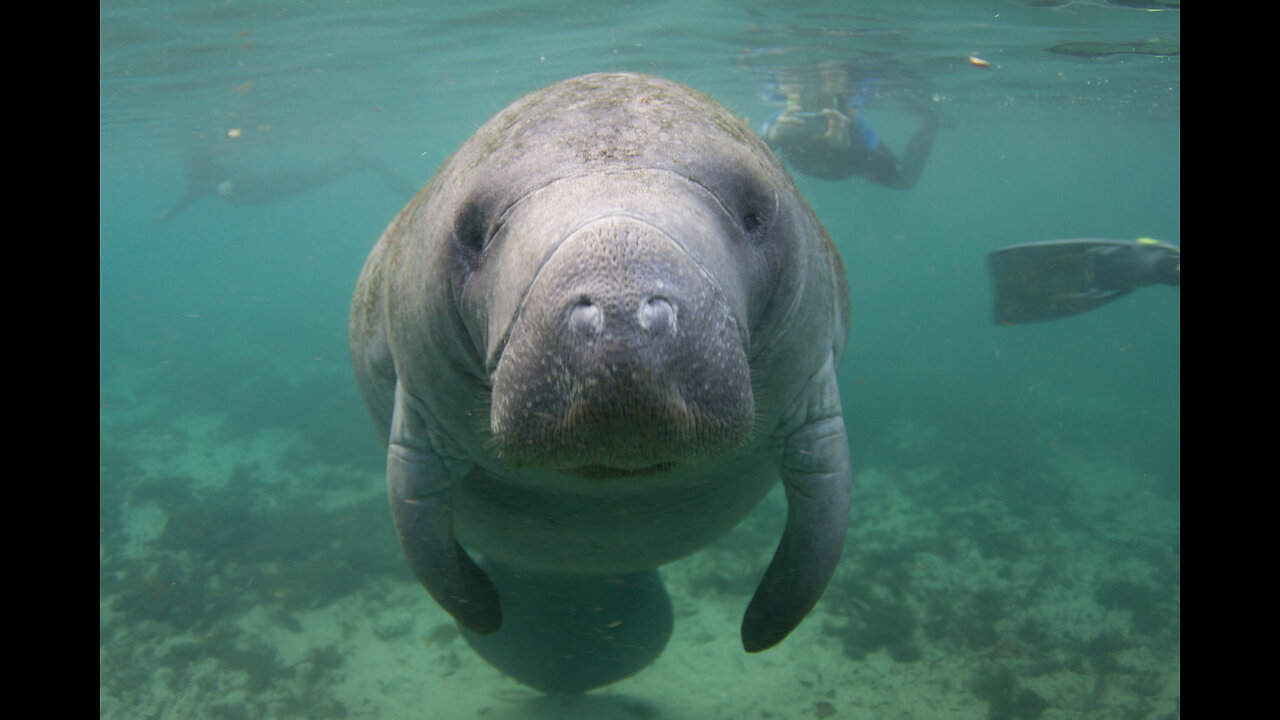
(241, 577)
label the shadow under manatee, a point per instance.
(569, 634)
(239, 185)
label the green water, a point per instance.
(228, 407)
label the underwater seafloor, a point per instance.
(243, 578)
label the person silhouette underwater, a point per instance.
(240, 186)
(820, 133)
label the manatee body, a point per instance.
(593, 342)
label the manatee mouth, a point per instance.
(605, 472)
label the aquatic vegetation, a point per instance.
(1007, 700)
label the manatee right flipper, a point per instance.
(817, 477)
(419, 487)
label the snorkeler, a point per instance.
(1040, 281)
(237, 185)
(819, 133)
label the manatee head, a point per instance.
(615, 248)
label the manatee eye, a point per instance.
(471, 230)
(757, 208)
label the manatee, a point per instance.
(593, 342)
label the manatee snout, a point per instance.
(624, 358)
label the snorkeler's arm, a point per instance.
(885, 169)
(786, 127)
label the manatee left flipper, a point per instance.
(419, 487)
(817, 477)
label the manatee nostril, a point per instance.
(657, 314)
(585, 318)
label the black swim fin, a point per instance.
(1042, 281)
